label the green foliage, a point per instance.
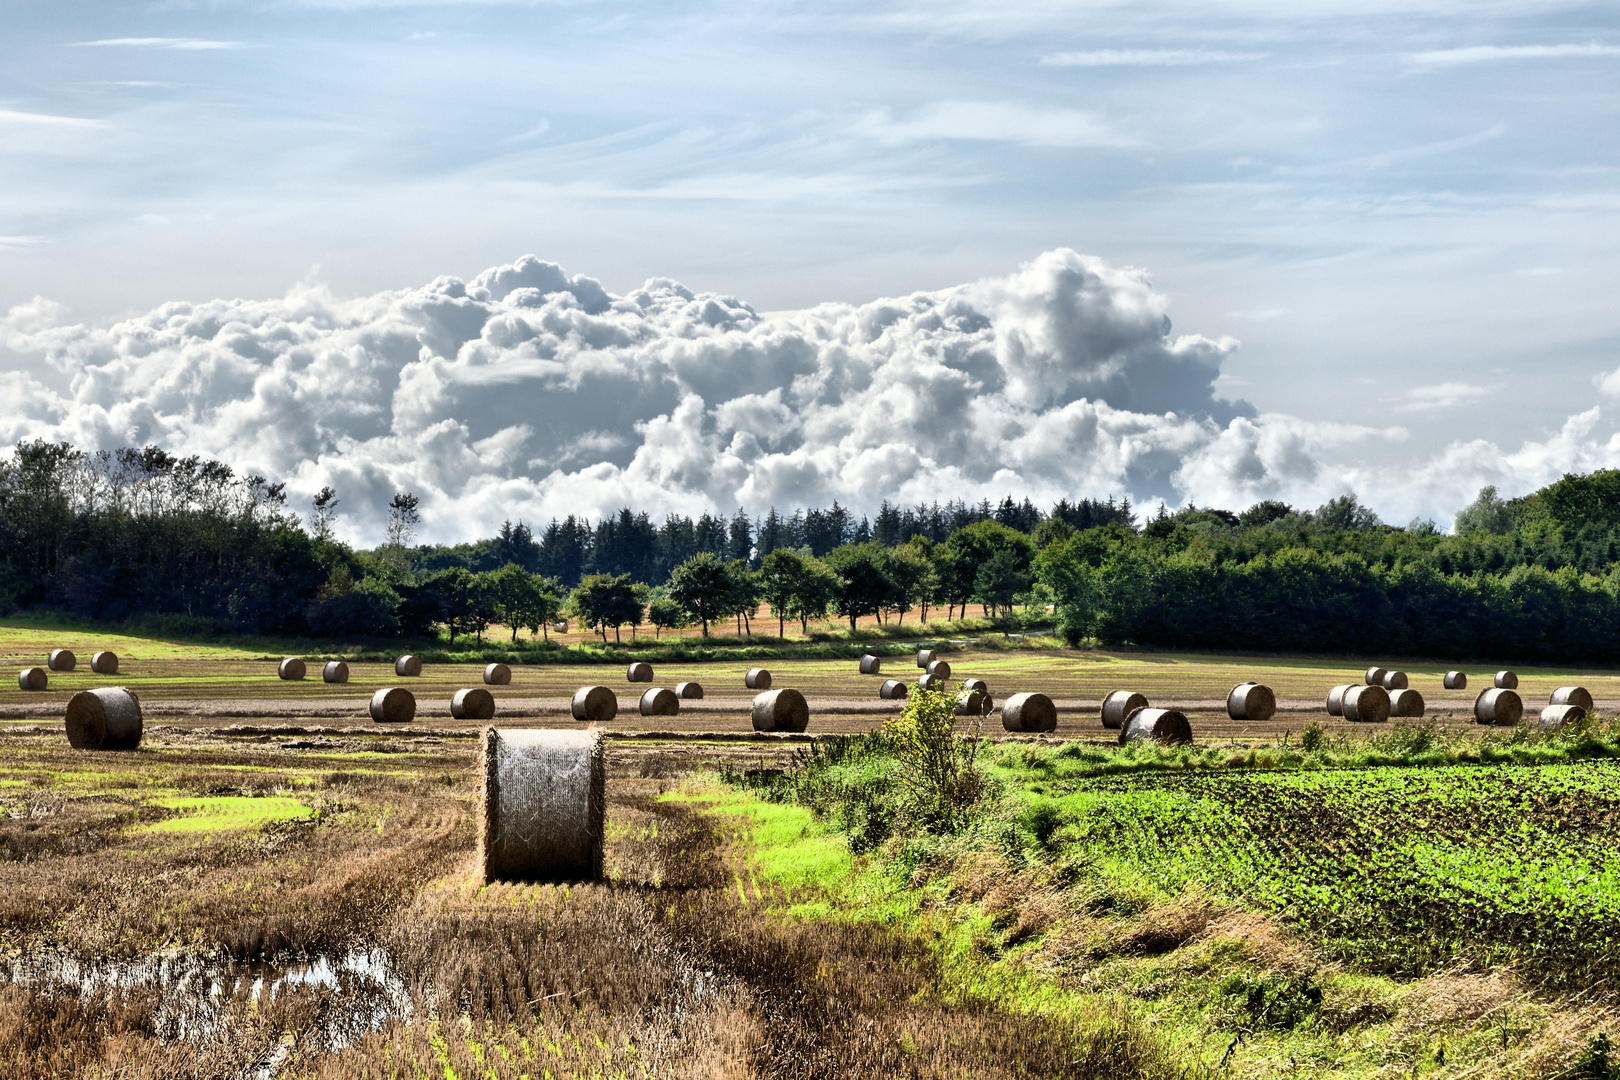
(704, 586)
(937, 770)
(1486, 514)
(600, 601)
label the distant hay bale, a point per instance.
(33, 678)
(1498, 705)
(1506, 680)
(61, 660)
(543, 806)
(104, 663)
(1573, 695)
(559, 627)
(1366, 704)
(394, 705)
(660, 701)
(638, 673)
(1455, 680)
(893, 690)
(757, 679)
(497, 675)
(1394, 680)
(781, 710)
(1406, 702)
(292, 669)
(335, 671)
(1375, 676)
(408, 666)
(976, 684)
(940, 668)
(1558, 717)
(871, 665)
(925, 657)
(473, 703)
(689, 691)
(1159, 725)
(594, 705)
(929, 681)
(1335, 699)
(1251, 701)
(971, 703)
(1029, 711)
(107, 718)
(1118, 706)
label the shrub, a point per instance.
(938, 771)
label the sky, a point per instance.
(946, 236)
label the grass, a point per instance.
(224, 813)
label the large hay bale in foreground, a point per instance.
(1506, 680)
(1558, 717)
(929, 681)
(393, 705)
(1159, 725)
(1118, 706)
(497, 675)
(893, 690)
(594, 705)
(1395, 680)
(1406, 702)
(104, 663)
(757, 679)
(638, 673)
(940, 668)
(1029, 711)
(781, 710)
(473, 703)
(292, 669)
(1375, 676)
(408, 666)
(871, 665)
(1335, 699)
(660, 701)
(1366, 704)
(1251, 701)
(689, 691)
(543, 806)
(107, 718)
(1573, 695)
(925, 657)
(1498, 705)
(1455, 680)
(335, 671)
(33, 678)
(61, 660)
(972, 703)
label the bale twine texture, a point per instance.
(929, 681)
(1159, 725)
(976, 684)
(1506, 680)
(61, 660)
(971, 703)
(393, 705)
(1335, 699)
(107, 718)
(638, 673)
(1406, 702)
(1573, 695)
(291, 669)
(408, 666)
(1455, 680)
(543, 806)
(893, 690)
(660, 701)
(1251, 701)
(594, 705)
(940, 668)
(497, 675)
(1375, 676)
(1029, 711)
(1395, 680)
(33, 678)
(871, 665)
(781, 710)
(1556, 717)
(104, 663)
(757, 679)
(1498, 705)
(689, 691)
(1367, 704)
(925, 657)
(473, 703)
(1118, 706)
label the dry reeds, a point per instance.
(104, 663)
(473, 703)
(757, 679)
(542, 807)
(292, 669)
(335, 671)
(1118, 706)
(107, 718)
(1158, 725)
(408, 666)
(1029, 711)
(394, 705)
(594, 705)
(33, 678)
(1498, 705)
(638, 672)
(781, 710)
(1251, 701)
(497, 675)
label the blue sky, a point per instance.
(1406, 213)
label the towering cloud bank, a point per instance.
(527, 393)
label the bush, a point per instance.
(938, 771)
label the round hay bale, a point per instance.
(473, 703)
(1557, 717)
(971, 703)
(33, 678)
(660, 701)
(929, 681)
(1251, 701)
(1375, 676)
(689, 691)
(1118, 706)
(61, 660)
(976, 684)
(497, 675)
(757, 679)
(1498, 705)
(1573, 695)
(1506, 680)
(893, 690)
(394, 705)
(871, 665)
(1029, 711)
(638, 673)
(1160, 725)
(1335, 699)
(1367, 704)
(335, 671)
(291, 669)
(543, 806)
(1455, 680)
(940, 668)
(594, 705)
(104, 663)
(1394, 680)
(925, 657)
(107, 718)
(408, 666)
(1406, 702)
(781, 710)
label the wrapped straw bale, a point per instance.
(394, 705)
(1406, 702)
(893, 690)
(1251, 701)
(1557, 717)
(976, 684)
(292, 669)
(1573, 695)
(1368, 704)
(107, 718)
(408, 666)
(757, 679)
(1029, 711)
(638, 673)
(1118, 706)
(61, 660)
(1335, 699)
(33, 678)
(594, 705)
(335, 671)
(473, 703)
(972, 703)
(871, 665)
(1506, 680)
(1394, 680)
(1455, 680)
(660, 701)
(497, 675)
(925, 657)
(940, 668)
(689, 691)
(1375, 676)
(1498, 705)
(543, 805)
(781, 710)
(929, 681)
(1160, 725)
(104, 663)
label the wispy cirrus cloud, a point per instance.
(1447, 395)
(993, 121)
(1144, 57)
(1487, 54)
(10, 116)
(197, 44)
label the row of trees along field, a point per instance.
(140, 533)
